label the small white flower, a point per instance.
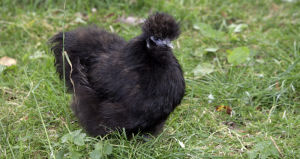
(260, 75)
(94, 10)
(211, 98)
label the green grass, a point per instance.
(262, 89)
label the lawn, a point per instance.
(241, 61)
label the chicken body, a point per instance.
(119, 85)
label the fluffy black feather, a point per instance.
(121, 84)
(161, 25)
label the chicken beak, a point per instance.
(168, 43)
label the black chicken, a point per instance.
(119, 85)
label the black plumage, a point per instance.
(118, 85)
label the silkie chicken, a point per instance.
(119, 85)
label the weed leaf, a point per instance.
(207, 31)
(107, 149)
(66, 138)
(203, 69)
(98, 146)
(238, 55)
(263, 149)
(96, 154)
(60, 154)
(79, 138)
(75, 155)
(75, 137)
